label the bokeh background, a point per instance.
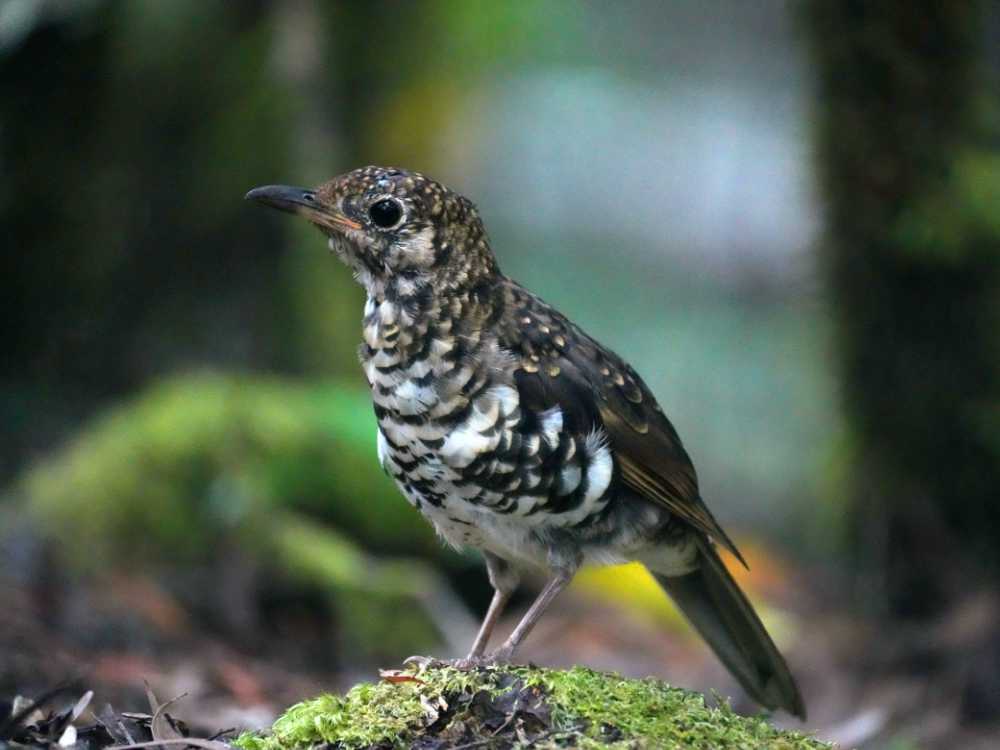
(786, 215)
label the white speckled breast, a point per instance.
(454, 437)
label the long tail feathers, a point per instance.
(720, 612)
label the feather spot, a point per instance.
(601, 465)
(382, 448)
(552, 424)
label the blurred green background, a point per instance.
(785, 215)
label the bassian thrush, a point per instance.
(514, 432)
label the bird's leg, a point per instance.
(504, 580)
(558, 582)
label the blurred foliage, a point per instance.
(957, 218)
(123, 174)
(201, 465)
(163, 475)
(909, 122)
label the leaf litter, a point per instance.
(49, 722)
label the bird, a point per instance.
(513, 431)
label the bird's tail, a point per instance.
(721, 613)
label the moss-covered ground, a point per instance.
(508, 707)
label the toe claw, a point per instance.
(494, 658)
(421, 662)
(471, 662)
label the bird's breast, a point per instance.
(453, 434)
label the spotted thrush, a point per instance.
(514, 432)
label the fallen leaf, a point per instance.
(160, 726)
(395, 675)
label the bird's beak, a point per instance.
(303, 202)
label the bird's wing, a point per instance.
(558, 364)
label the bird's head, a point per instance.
(395, 228)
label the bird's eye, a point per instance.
(385, 213)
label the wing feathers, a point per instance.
(560, 364)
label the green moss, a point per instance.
(197, 457)
(519, 706)
(203, 464)
(956, 217)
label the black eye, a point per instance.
(385, 213)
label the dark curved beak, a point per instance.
(301, 201)
(283, 197)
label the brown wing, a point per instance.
(560, 364)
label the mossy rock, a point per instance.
(509, 707)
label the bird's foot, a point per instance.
(424, 662)
(491, 659)
(499, 656)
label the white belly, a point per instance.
(460, 522)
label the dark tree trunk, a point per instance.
(910, 170)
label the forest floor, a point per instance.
(63, 639)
